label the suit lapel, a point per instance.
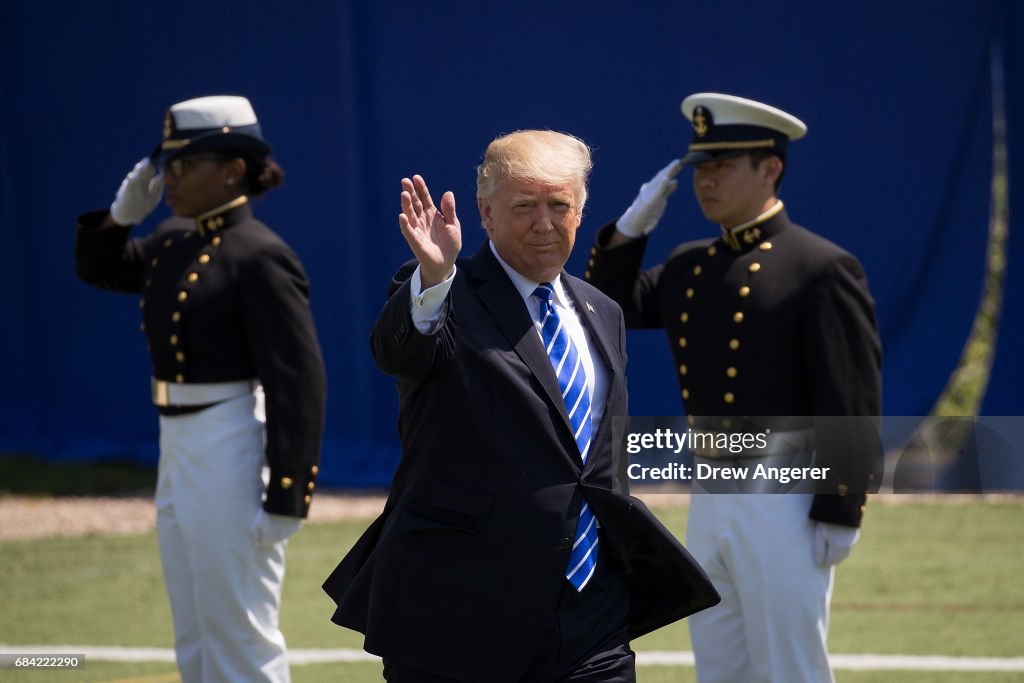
(601, 332)
(502, 300)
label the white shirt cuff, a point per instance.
(425, 306)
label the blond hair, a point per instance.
(544, 156)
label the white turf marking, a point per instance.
(867, 662)
(861, 662)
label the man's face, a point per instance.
(533, 226)
(732, 191)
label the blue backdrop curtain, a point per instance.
(355, 95)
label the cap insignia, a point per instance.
(700, 121)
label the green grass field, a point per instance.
(927, 578)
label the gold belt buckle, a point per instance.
(161, 395)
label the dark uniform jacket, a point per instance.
(461, 574)
(225, 299)
(767, 320)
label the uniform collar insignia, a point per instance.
(747, 234)
(223, 216)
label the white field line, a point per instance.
(847, 662)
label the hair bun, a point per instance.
(268, 177)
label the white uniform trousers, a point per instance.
(772, 622)
(225, 590)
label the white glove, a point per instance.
(643, 214)
(138, 195)
(269, 529)
(833, 543)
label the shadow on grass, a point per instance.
(24, 474)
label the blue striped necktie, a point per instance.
(572, 379)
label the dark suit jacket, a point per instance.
(461, 574)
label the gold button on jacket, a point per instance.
(763, 338)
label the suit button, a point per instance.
(565, 544)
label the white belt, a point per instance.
(175, 394)
(776, 443)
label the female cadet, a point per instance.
(238, 380)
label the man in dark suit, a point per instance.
(507, 550)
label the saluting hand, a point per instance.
(433, 234)
(138, 195)
(643, 214)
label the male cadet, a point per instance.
(767, 319)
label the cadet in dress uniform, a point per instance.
(238, 380)
(767, 319)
